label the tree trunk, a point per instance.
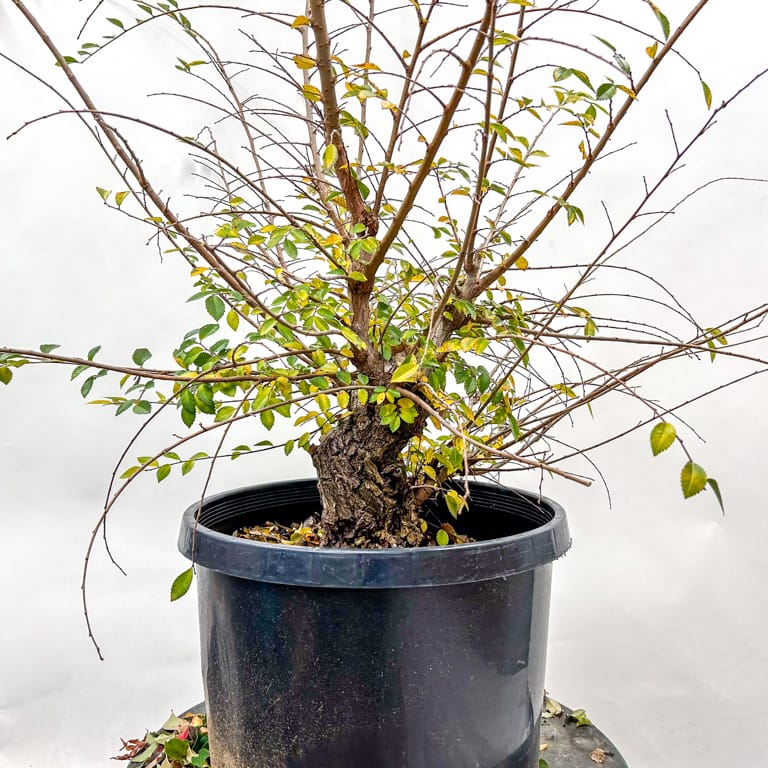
(364, 485)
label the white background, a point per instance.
(659, 612)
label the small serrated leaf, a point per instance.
(663, 20)
(215, 306)
(87, 386)
(605, 43)
(188, 417)
(330, 156)
(141, 355)
(303, 62)
(454, 501)
(605, 91)
(233, 319)
(408, 370)
(662, 436)
(693, 479)
(163, 472)
(715, 486)
(181, 584)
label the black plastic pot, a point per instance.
(400, 658)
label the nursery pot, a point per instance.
(400, 658)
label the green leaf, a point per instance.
(561, 73)
(141, 355)
(715, 486)
(200, 760)
(442, 538)
(120, 196)
(707, 94)
(215, 306)
(623, 64)
(181, 585)
(87, 386)
(408, 370)
(176, 749)
(93, 351)
(662, 436)
(605, 91)
(47, 348)
(605, 43)
(693, 479)
(6, 374)
(454, 501)
(117, 23)
(267, 419)
(204, 399)
(233, 319)
(163, 472)
(142, 407)
(227, 412)
(187, 400)
(663, 20)
(104, 193)
(580, 716)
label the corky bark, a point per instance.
(367, 498)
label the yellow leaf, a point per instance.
(311, 93)
(408, 370)
(353, 338)
(521, 262)
(303, 62)
(300, 21)
(330, 156)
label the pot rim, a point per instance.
(337, 568)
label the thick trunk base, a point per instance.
(367, 499)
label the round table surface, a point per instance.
(567, 744)
(566, 741)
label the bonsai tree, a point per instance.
(365, 227)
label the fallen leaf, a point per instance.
(597, 756)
